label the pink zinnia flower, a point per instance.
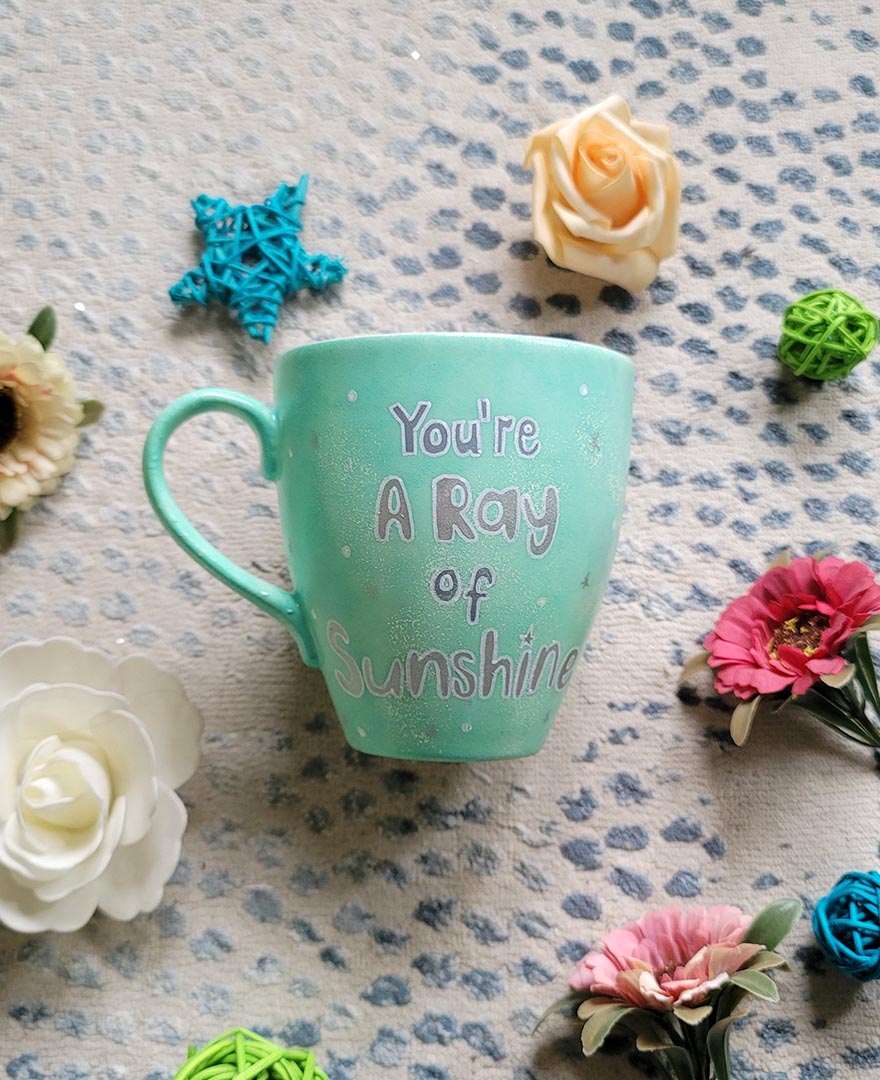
(789, 629)
(668, 958)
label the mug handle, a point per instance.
(287, 607)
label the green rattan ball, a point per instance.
(244, 1055)
(825, 334)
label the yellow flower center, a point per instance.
(800, 633)
(10, 418)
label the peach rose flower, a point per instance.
(605, 194)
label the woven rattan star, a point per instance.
(254, 259)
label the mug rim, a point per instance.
(570, 345)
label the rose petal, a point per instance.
(564, 190)
(633, 270)
(657, 134)
(134, 881)
(638, 232)
(90, 869)
(59, 659)
(175, 726)
(131, 763)
(545, 225)
(64, 787)
(67, 709)
(666, 240)
(23, 912)
(33, 864)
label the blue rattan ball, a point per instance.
(846, 923)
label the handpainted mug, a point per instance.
(450, 506)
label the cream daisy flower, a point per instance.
(39, 415)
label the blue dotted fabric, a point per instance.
(412, 920)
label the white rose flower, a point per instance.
(605, 194)
(39, 415)
(90, 754)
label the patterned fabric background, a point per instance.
(414, 920)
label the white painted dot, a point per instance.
(352, 395)
(583, 389)
(314, 614)
(346, 552)
(467, 727)
(541, 601)
(290, 452)
(79, 306)
(415, 54)
(362, 732)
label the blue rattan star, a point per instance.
(253, 258)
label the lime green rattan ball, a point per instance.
(243, 1055)
(825, 334)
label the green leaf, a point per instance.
(681, 1062)
(718, 1045)
(731, 1002)
(821, 705)
(867, 674)
(841, 679)
(560, 1003)
(692, 1016)
(870, 624)
(9, 532)
(44, 326)
(651, 1042)
(782, 559)
(655, 1029)
(774, 923)
(92, 412)
(757, 983)
(835, 716)
(593, 1004)
(743, 718)
(763, 960)
(690, 667)
(600, 1025)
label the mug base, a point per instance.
(448, 754)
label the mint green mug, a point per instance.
(450, 506)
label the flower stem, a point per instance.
(698, 1057)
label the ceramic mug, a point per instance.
(450, 506)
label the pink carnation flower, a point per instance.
(789, 629)
(668, 958)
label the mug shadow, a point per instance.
(301, 778)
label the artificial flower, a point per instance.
(40, 419)
(678, 980)
(91, 752)
(790, 628)
(668, 958)
(799, 634)
(605, 194)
